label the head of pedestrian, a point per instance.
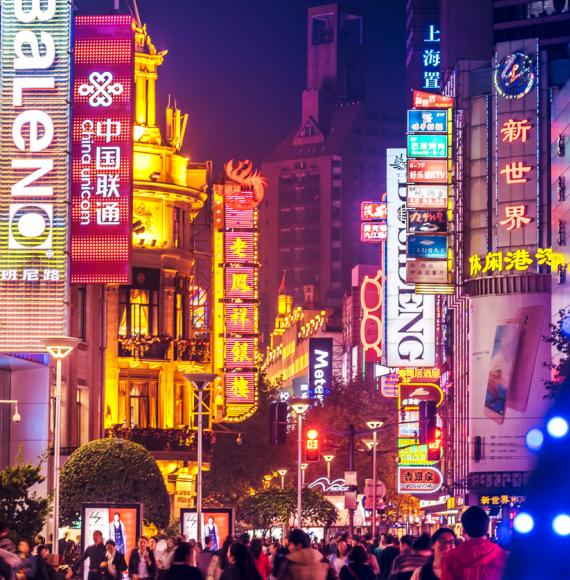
(422, 545)
(475, 522)
(298, 540)
(42, 551)
(342, 549)
(143, 543)
(110, 546)
(241, 558)
(406, 542)
(244, 539)
(442, 540)
(97, 537)
(24, 547)
(358, 555)
(182, 554)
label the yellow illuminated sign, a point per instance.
(518, 260)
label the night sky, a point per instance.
(238, 66)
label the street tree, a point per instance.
(113, 470)
(20, 505)
(269, 508)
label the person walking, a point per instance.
(242, 565)
(261, 559)
(114, 564)
(358, 567)
(477, 558)
(142, 564)
(27, 566)
(44, 571)
(96, 553)
(303, 562)
(442, 541)
(6, 542)
(387, 556)
(181, 568)
(164, 554)
(405, 564)
(219, 562)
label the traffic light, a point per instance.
(428, 422)
(434, 446)
(278, 423)
(312, 445)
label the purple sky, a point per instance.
(238, 66)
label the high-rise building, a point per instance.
(318, 176)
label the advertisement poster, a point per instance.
(430, 247)
(427, 171)
(217, 524)
(120, 522)
(410, 335)
(426, 121)
(427, 221)
(428, 146)
(507, 392)
(427, 196)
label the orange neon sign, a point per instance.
(515, 217)
(514, 130)
(515, 172)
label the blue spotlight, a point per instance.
(523, 523)
(561, 524)
(565, 327)
(557, 427)
(534, 439)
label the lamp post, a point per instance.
(374, 426)
(299, 406)
(200, 380)
(282, 473)
(58, 347)
(303, 469)
(328, 459)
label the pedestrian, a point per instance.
(114, 564)
(358, 567)
(5, 541)
(27, 565)
(219, 562)
(242, 565)
(405, 564)
(96, 553)
(476, 558)
(142, 564)
(388, 555)
(205, 556)
(44, 571)
(442, 541)
(339, 559)
(164, 555)
(261, 560)
(303, 562)
(181, 568)
(244, 539)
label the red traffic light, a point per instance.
(312, 445)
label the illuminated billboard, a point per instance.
(34, 122)
(371, 323)
(427, 146)
(410, 334)
(320, 367)
(429, 247)
(427, 171)
(102, 149)
(426, 121)
(373, 210)
(427, 196)
(426, 272)
(423, 100)
(427, 221)
(373, 232)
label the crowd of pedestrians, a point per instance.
(441, 556)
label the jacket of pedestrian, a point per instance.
(474, 559)
(356, 571)
(306, 564)
(134, 561)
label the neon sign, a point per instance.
(371, 326)
(518, 260)
(427, 171)
(428, 146)
(514, 130)
(423, 100)
(431, 58)
(515, 217)
(515, 75)
(102, 148)
(373, 232)
(34, 121)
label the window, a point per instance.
(81, 313)
(177, 228)
(180, 415)
(138, 311)
(138, 402)
(323, 29)
(82, 415)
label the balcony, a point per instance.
(146, 347)
(192, 350)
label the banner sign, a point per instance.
(320, 367)
(427, 171)
(423, 100)
(427, 196)
(428, 146)
(426, 272)
(427, 221)
(426, 121)
(34, 140)
(419, 479)
(102, 149)
(432, 247)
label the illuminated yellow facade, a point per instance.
(157, 328)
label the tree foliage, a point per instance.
(560, 367)
(20, 505)
(267, 508)
(113, 470)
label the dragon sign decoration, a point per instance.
(248, 187)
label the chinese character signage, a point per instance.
(428, 146)
(426, 121)
(427, 196)
(498, 500)
(373, 210)
(516, 261)
(426, 272)
(236, 287)
(34, 125)
(423, 100)
(427, 171)
(419, 479)
(431, 58)
(429, 247)
(320, 367)
(373, 232)
(427, 221)
(102, 149)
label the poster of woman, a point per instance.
(118, 533)
(217, 525)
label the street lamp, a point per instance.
(200, 380)
(328, 459)
(374, 426)
(299, 406)
(16, 417)
(303, 469)
(58, 347)
(282, 473)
